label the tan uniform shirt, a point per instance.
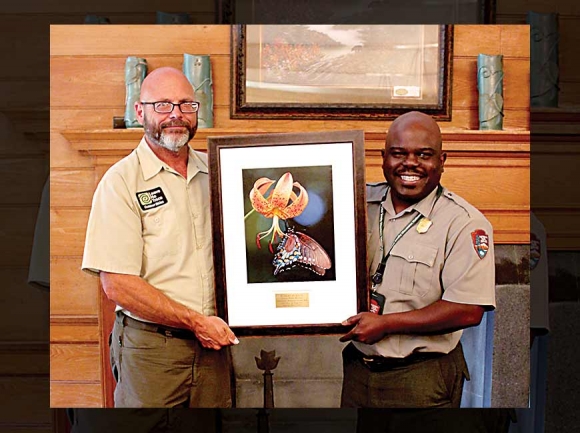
(453, 260)
(147, 220)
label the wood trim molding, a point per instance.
(73, 320)
(106, 321)
(120, 142)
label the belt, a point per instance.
(167, 331)
(381, 363)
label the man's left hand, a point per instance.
(368, 328)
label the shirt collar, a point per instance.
(151, 164)
(424, 207)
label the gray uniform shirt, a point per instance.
(453, 260)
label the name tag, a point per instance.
(151, 199)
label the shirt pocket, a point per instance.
(417, 268)
(161, 235)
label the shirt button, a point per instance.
(410, 256)
(156, 219)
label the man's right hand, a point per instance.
(213, 333)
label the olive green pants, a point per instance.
(160, 371)
(436, 382)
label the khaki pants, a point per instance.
(156, 370)
(436, 382)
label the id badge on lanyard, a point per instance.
(377, 303)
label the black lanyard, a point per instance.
(377, 277)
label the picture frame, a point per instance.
(340, 71)
(289, 231)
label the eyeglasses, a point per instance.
(165, 107)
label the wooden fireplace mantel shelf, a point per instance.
(113, 142)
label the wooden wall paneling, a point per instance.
(19, 95)
(75, 394)
(67, 231)
(569, 94)
(25, 55)
(102, 118)
(14, 143)
(469, 40)
(62, 155)
(25, 400)
(22, 179)
(515, 41)
(17, 240)
(554, 165)
(568, 47)
(72, 291)
(139, 40)
(24, 360)
(81, 360)
(83, 119)
(510, 42)
(100, 81)
(73, 330)
(72, 187)
(20, 300)
(561, 226)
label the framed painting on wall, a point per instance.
(340, 71)
(289, 231)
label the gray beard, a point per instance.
(173, 142)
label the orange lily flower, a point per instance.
(281, 204)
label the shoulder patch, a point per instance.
(480, 241)
(151, 198)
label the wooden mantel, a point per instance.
(117, 142)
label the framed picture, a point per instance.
(289, 231)
(340, 71)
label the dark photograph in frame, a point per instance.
(292, 240)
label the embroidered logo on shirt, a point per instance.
(535, 251)
(480, 242)
(151, 199)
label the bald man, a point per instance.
(149, 240)
(433, 274)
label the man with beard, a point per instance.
(149, 240)
(433, 274)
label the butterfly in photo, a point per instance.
(299, 249)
